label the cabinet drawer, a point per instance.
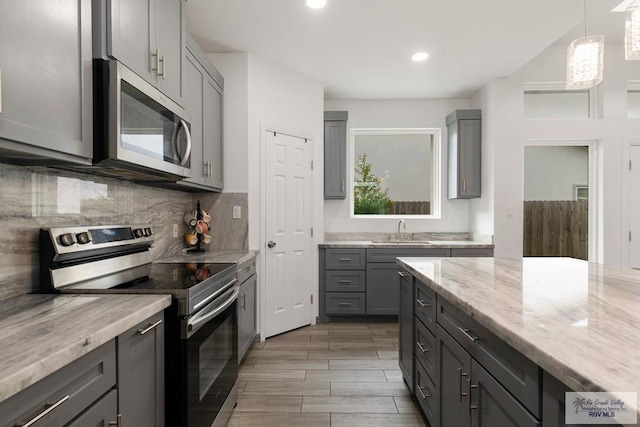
(425, 350)
(519, 375)
(427, 395)
(344, 281)
(472, 252)
(344, 303)
(75, 387)
(101, 413)
(425, 305)
(345, 259)
(246, 270)
(390, 255)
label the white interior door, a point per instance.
(288, 218)
(634, 206)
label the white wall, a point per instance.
(409, 113)
(506, 131)
(550, 173)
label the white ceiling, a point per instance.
(361, 48)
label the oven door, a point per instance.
(210, 347)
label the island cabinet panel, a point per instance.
(553, 403)
(65, 394)
(427, 395)
(425, 305)
(406, 328)
(425, 350)
(454, 370)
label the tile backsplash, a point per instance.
(36, 197)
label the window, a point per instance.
(395, 172)
(557, 104)
(633, 100)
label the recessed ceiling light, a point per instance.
(420, 56)
(316, 4)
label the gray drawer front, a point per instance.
(83, 380)
(427, 395)
(344, 281)
(345, 259)
(511, 368)
(390, 255)
(425, 350)
(246, 270)
(101, 413)
(472, 252)
(425, 305)
(344, 303)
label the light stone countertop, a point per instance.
(579, 321)
(408, 244)
(213, 257)
(40, 334)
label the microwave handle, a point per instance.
(187, 151)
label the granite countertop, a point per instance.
(40, 334)
(577, 320)
(436, 244)
(213, 257)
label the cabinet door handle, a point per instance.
(117, 422)
(470, 407)
(51, 407)
(345, 281)
(464, 185)
(345, 304)
(163, 62)
(244, 302)
(424, 396)
(460, 392)
(467, 332)
(149, 328)
(422, 348)
(344, 259)
(342, 185)
(156, 55)
(422, 303)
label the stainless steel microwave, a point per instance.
(139, 133)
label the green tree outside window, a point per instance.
(368, 195)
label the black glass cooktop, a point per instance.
(177, 276)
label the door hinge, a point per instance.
(311, 231)
(629, 236)
(311, 298)
(311, 164)
(629, 164)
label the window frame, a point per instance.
(436, 161)
(559, 87)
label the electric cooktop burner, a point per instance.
(175, 276)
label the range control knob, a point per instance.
(67, 239)
(138, 233)
(147, 231)
(83, 238)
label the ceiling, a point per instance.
(360, 49)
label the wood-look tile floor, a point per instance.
(332, 374)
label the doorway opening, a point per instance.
(560, 195)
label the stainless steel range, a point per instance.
(201, 325)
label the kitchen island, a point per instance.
(575, 322)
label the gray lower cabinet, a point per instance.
(406, 328)
(454, 370)
(203, 94)
(46, 102)
(246, 307)
(141, 374)
(148, 36)
(553, 403)
(67, 393)
(382, 288)
(335, 154)
(100, 414)
(464, 150)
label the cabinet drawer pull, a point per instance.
(424, 396)
(345, 304)
(470, 407)
(156, 55)
(403, 274)
(344, 259)
(345, 281)
(422, 348)
(150, 327)
(118, 422)
(467, 332)
(51, 407)
(422, 303)
(461, 394)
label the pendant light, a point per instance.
(585, 60)
(632, 33)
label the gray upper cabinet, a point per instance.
(46, 81)
(148, 36)
(464, 148)
(335, 154)
(203, 97)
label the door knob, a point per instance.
(271, 244)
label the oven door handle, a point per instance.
(215, 294)
(199, 319)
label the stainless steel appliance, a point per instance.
(139, 133)
(201, 325)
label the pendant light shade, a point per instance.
(632, 33)
(585, 61)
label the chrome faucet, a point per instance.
(404, 226)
